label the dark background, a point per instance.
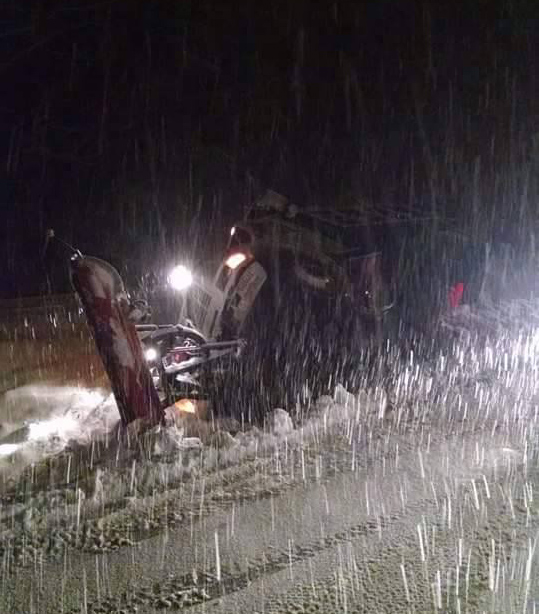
(141, 130)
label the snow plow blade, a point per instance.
(105, 303)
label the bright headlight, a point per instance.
(180, 277)
(150, 354)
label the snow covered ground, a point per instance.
(418, 498)
(39, 421)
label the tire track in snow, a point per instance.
(305, 525)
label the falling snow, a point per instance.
(427, 500)
(390, 467)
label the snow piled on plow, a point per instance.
(46, 419)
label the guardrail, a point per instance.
(39, 317)
(45, 338)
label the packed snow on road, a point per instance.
(414, 497)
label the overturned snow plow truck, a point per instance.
(299, 301)
(292, 288)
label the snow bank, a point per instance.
(76, 427)
(40, 421)
(74, 460)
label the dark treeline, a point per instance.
(140, 130)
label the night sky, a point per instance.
(141, 130)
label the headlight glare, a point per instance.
(180, 278)
(150, 354)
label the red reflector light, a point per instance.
(455, 295)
